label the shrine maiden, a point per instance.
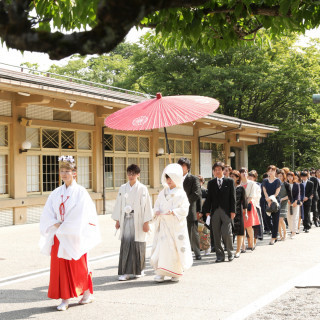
(69, 229)
(171, 252)
(132, 213)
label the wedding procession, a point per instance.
(234, 208)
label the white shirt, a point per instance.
(220, 181)
(183, 178)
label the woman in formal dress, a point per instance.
(171, 252)
(271, 187)
(294, 209)
(300, 202)
(283, 194)
(69, 229)
(257, 229)
(253, 218)
(241, 205)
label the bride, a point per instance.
(171, 252)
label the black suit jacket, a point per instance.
(315, 188)
(191, 186)
(225, 197)
(308, 190)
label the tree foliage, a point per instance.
(261, 83)
(38, 25)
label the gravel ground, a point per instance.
(302, 303)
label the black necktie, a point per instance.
(219, 183)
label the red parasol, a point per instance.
(161, 112)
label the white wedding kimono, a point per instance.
(171, 252)
(79, 231)
(132, 209)
(138, 199)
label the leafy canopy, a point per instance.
(260, 83)
(207, 25)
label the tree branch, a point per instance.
(115, 19)
(273, 11)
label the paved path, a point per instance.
(207, 290)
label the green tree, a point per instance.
(208, 25)
(260, 83)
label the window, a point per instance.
(61, 115)
(3, 136)
(120, 143)
(50, 172)
(84, 140)
(120, 152)
(144, 144)
(67, 140)
(43, 169)
(33, 135)
(84, 174)
(144, 174)
(4, 174)
(108, 142)
(33, 174)
(50, 138)
(177, 147)
(133, 144)
(108, 172)
(216, 148)
(120, 174)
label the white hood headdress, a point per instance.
(175, 172)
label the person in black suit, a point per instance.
(318, 192)
(307, 200)
(315, 199)
(191, 186)
(221, 204)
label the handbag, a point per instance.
(274, 207)
(291, 210)
(249, 207)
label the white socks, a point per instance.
(64, 305)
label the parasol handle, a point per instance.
(167, 142)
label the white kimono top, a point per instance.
(138, 199)
(79, 231)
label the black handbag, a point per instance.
(291, 210)
(274, 207)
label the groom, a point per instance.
(220, 203)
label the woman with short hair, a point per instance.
(283, 194)
(294, 196)
(253, 218)
(241, 205)
(271, 187)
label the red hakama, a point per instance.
(68, 278)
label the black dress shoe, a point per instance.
(316, 223)
(231, 258)
(219, 260)
(198, 258)
(213, 250)
(306, 231)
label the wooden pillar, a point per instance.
(244, 155)
(195, 151)
(18, 163)
(227, 150)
